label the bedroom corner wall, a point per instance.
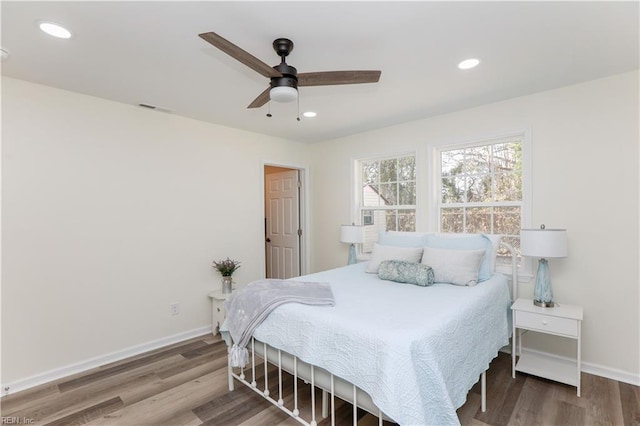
(111, 213)
(585, 162)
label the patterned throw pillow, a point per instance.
(402, 271)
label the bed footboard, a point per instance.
(332, 386)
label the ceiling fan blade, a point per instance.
(239, 54)
(326, 78)
(262, 99)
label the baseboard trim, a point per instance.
(588, 367)
(59, 373)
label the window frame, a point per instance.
(525, 269)
(359, 208)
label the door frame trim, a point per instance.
(304, 213)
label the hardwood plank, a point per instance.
(529, 409)
(83, 416)
(216, 348)
(269, 416)
(467, 412)
(189, 363)
(503, 391)
(18, 401)
(630, 402)
(568, 414)
(62, 405)
(127, 366)
(158, 409)
(603, 409)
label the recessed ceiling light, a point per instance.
(54, 30)
(309, 114)
(468, 63)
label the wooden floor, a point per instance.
(186, 384)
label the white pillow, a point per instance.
(488, 242)
(459, 267)
(380, 253)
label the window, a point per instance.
(481, 189)
(387, 196)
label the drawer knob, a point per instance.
(544, 322)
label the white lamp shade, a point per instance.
(353, 234)
(543, 243)
(283, 94)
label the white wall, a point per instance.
(584, 141)
(111, 213)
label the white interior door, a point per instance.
(283, 224)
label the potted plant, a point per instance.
(226, 268)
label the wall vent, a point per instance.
(153, 107)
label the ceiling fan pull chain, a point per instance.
(269, 111)
(298, 97)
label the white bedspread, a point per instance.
(415, 350)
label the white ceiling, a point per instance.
(150, 52)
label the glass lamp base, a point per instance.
(352, 255)
(542, 292)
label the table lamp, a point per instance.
(352, 234)
(543, 243)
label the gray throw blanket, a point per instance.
(251, 304)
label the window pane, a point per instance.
(370, 172)
(504, 257)
(406, 220)
(407, 168)
(389, 194)
(388, 171)
(453, 190)
(507, 157)
(478, 160)
(451, 162)
(479, 189)
(506, 220)
(371, 196)
(478, 219)
(390, 220)
(407, 193)
(508, 187)
(451, 220)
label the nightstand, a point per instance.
(561, 320)
(218, 312)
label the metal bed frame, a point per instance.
(331, 385)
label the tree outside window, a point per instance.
(481, 190)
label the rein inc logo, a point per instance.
(16, 421)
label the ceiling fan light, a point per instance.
(283, 94)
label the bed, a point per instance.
(403, 352)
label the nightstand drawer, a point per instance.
(547, 323)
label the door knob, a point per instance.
(268, 240)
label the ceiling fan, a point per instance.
(285, 78)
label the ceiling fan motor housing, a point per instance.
(289, 76)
